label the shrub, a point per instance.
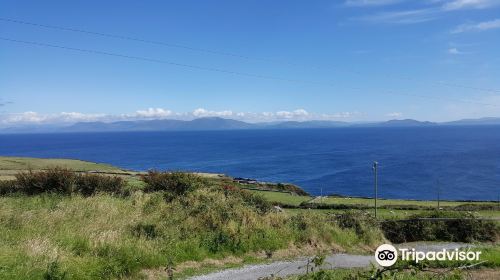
(176, 183)
(291, 188)
(360, 222)
(148, 231)
(89, 184)
(475, 207)
(8, 187)
(455, 227)
(379, 274)
(61, 181)
(54, 272)
(54, 180)
(251, 199)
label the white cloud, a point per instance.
(402, 17)
(23, 117)
(394, 115)
(297, 114)
(200, 112)
(469, 4)
(429, 10)
(365, 3)
(481, 26)
(341, 115)
(153, 113)
(37, 118)
(30, 117)
(75, 116)
(454, 51)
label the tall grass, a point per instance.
(185, 218)
(345, 274)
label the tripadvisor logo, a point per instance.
(387, 255)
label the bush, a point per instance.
(362, 274)
(360, 222)
(61, 181)
(8, 187)
(89, 184)
(291, 188)
(54, 180)
(175, 183)
(54, 272)
(250, 199)
(475, 207)
(148, 231)
(454, 227)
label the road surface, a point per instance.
(299, 266)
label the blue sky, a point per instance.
(352, 60)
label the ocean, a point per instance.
(414, 163)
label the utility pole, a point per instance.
(375, 170)
(439, 194)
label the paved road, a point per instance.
(298, 266)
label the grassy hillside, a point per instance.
(103, 236)
(54, 225)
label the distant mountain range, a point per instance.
(215, 123)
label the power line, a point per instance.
(216, 52)
(114, 36)
(196, 67)
(153, 60)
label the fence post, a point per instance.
(375, 169)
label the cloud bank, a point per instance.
(481, 26)
(469, 4)
(394, 115)
(423, 12)
(34, 118)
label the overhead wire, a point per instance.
(212, 69)
(223, 53)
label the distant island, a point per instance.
(217, 123)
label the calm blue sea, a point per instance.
(463, 161)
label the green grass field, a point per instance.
(393, 214)
(22, 163)
(9, 166)
(296, 200)
(382, 202)
(283, 198)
